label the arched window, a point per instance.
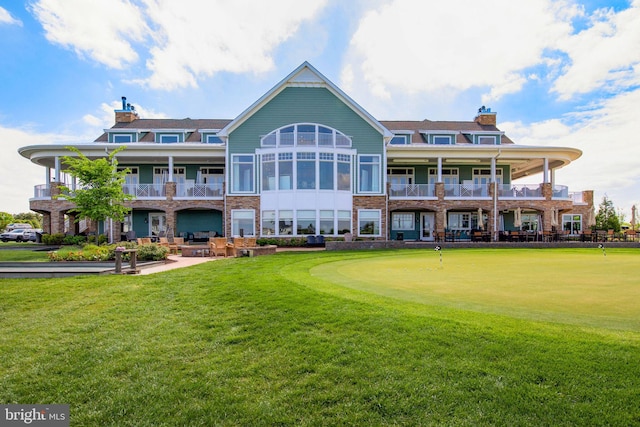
(306, 135)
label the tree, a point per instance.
(5, 219)
(99, 195)
(35, 219)
(606, 218)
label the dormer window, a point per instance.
(399, 140)
(169, 138)
(442, 139)
(213, 139)
(487, 140)
(119, 139)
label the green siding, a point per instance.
(305, 105)
(192, 221)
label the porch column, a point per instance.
(439, 169)
(47, 177)
(545, 171)
(57, 166)
(170, 168)
(493, 169)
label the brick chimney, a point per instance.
(485, 117)
(127, 114)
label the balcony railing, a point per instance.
(42, 191)
(509, 191)
(199, 191)
(466, 190)
(142, 191)
(412, 191)
(561, 192)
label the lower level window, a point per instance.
(572, 223)
(369, 222)
(242, 222)
(268, 223)
(402, 221)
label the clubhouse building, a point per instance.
(305, 159)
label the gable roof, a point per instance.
(306, 76)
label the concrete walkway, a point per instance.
(175, 261)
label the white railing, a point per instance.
(142, 191)
(577, 198)
(466, 190)
(199, 191)
(412, 191)
(523, 191)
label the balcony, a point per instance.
(199, 191)
(412, 191)
(42, 191)
(467, 190)
(530, 191)
(145, 191)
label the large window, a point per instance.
(369, 173)
(326, 171)
(344, 172)
(306, 135)
(459, 221)
(306, 222)
(285, 171)
(369, 222)
(268, 223)
(242, 222)
(306, 171)
(572, 223)
(326, 222)
(268, 172)
(242, 177)
(344, 222)
(402, 221)
(285, 223)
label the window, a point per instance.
(305, 135)
(487, 140)
(242, 176)
(369, 222)
(268, 223)
(344, 222)
(285, 171)
(399, 140)
(529, 222)
(459, 221)
(572, 223)
(213, 139)
(306, 171)
(119, 138)
(130, 179)
(212, 176)
(170, 138)
(442, 139)
(242, 222)
(268, 172)
(402, 221)
(161, 175)
(449, 176)
(344, 172)
(285, 223)
(369, 174)
(326, 222)
(326, 171)
(306, 221)
(400, 176)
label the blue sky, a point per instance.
(558, 73)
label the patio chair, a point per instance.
(250, 242)
(218, 246)
(175, 245)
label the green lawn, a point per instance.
(281, 340)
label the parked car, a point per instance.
(17, 225)
(30, 234)
(18, 235)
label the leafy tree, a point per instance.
(606, 218)
(35, 219)
(5, 219)
(99, 195)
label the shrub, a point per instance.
(152, 252)
(289, 242)
(53, 239)
(75, 253)
(74, 240)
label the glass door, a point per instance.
(426, 226)
(157, 223)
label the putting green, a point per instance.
(582, 286)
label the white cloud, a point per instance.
(20, 175)
(425, 47)
(105, 116)
(606, 55)
(6, 18)
(195, 39)
(103, 30)
(609, 163)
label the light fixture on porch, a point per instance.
(462, 160)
